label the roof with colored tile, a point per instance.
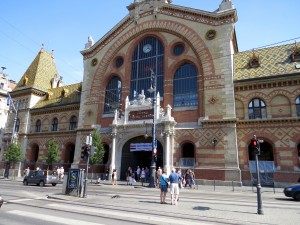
(40, 72)
(60, 96)
(274, 61)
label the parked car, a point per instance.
(293, 191)
(41, 177)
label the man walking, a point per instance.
(174, 179)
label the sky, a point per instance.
(64, 26)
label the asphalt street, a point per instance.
(135, 204)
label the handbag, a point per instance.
(166, 182)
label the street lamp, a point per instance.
(153, 89)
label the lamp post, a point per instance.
(153, 89)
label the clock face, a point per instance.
(147, 48)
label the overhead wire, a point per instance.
(37, 44)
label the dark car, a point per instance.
(41, 177)
(293, 191)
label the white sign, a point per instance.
(135, 147)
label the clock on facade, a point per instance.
(147, 48)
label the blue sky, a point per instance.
(64, 25)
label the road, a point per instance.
(122, 204)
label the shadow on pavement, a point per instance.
(201, 208)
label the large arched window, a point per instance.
(147, 56)
(17, 125)
(187, 155)
(73, 123)
(113, 95)
(257, 109)
(54, 124)
(185, 88)
(38, 126)
(298, 105)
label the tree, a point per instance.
(99, 150)
(52, 153)
(14, 154)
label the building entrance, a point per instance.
(139, 157)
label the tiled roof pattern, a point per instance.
(56, 98)
(40, 72)
(274, 61)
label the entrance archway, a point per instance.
(139, 158)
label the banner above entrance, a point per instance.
(135, 147)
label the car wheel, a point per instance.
(25, 182)
(42, 183)
(53, 184)
(297, 196)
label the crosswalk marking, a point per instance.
(49, 218)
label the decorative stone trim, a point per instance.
(211, 34)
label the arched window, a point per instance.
(73, 123)
(187, 155)
(298, 105)
(147, 56)
(17, 125)
(38, 126)
(257, 109)
(106, 153)
(54, 124)
(298, 147)
(185, 88)
(113, 95)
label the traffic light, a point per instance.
(255, 145)
(88, 150)
(83, 152)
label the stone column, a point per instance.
(167, 153)
(113, 154)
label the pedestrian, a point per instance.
(114, 177)
(163, 187)
(157, 177)
(143, 176)
(133, 177)
(58, 172)
(147, 172)
(28, 171)
(180, 184)
(192, 179)
(128, 175)
(174, 179)
(138, 173)
(106, 174)
(62, 173)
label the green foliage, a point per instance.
(52, 153)
(99, 149)
(14, 153)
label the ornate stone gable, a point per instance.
(199, 16)
(184, 32)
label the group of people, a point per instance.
(188, 178)
(175, 182)
(139, 175)
(60, 173)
